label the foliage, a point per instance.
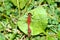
(38, 24)
(45, 19)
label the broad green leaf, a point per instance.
(43, 38)
(2, 37)
(12, 36)
(14, 2)
(1, 9)
(38, 21)
(58, 34)
(1, 27)
(57, 0)
(50, 38)
(59, 27)
(22, 3)
(50, 1)
(32, 4)
(58, 31)
(36, 38)
(40, 1)
(7, 6)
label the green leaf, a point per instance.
(36, 38)
(51, 38)
(1, 27)
(58, 31)
(22, 3)
(57, 0)
(2, 37)
(12, 36)
(1, 9)
(40, 1)
(38, 21)
(50, 1)
(14, 2)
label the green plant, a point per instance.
(45, 23)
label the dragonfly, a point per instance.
(28, 22)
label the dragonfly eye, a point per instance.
(29, 14)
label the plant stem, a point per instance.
(29, 38)
(18, 7)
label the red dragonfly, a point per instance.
(28, 22)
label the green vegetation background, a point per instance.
(11, 10)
